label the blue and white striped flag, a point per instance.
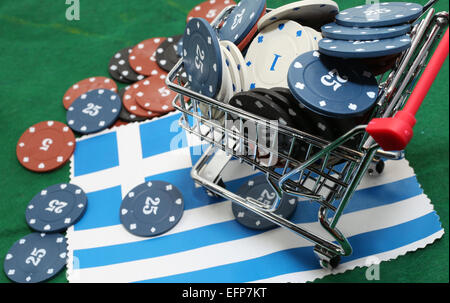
(388, 216)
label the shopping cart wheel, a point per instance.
(327, 259)
(330, 264)
(376, 167)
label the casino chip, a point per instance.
(124, 114)
(151, 208)
(167, 53)
(129, 102)
(226, 90)
(118, 77)
(268, 109)
(204, 71)
(284, 98)
(312, 13)
(279, 99)
(85, 86)
(379, 14)
(233, 69)
(119, 63)
(114, 70)
(224, 95)
(142, 58)
(272, 51)
(259, 189)
(179, 48)
(242, 21)
(303, 121)
(316, 124)
(243, 45)
(239, 60)
(261, 106)
(94, 111)
(45, 146)
(336, 31)
(35, 258)
(56, 208)
(209, 10)
(315, 37)
(153, 95)
(364, 49)
(332, 87)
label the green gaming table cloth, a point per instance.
(42, 54)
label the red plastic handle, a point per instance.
(396, 132)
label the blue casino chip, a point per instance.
(35, 258)
(379, 14)
(56, 208)
(241, 20)
(94, 111)
(202, 57)
(364, 49)
(259, 189)
(336, 31)
(332, 87)
(151, 208)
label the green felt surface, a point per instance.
(42, 54)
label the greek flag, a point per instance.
(389, 215)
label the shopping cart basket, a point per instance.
(329, 172)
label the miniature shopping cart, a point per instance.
(329, 172)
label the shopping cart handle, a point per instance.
(396, 132)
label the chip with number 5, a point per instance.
(45, 146)
(332, 87)
(153, 95)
